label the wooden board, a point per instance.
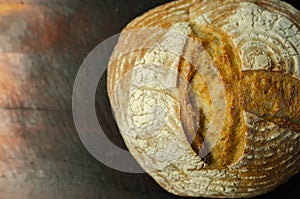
(42, 44)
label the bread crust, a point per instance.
(253, 47)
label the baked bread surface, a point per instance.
(206, 95)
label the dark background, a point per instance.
(42, 44)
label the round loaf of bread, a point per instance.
(206, 95)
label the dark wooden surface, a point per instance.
(42, 44)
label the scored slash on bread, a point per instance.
(250, 95)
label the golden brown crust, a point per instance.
(283, 108)
(257, 58)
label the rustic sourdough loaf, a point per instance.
(206, 95)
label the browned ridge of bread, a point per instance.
(231, 128)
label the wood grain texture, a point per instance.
(41, 155)
(42, 44)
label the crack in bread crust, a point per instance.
(278, 97)
(259, 145)
(231, 143)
